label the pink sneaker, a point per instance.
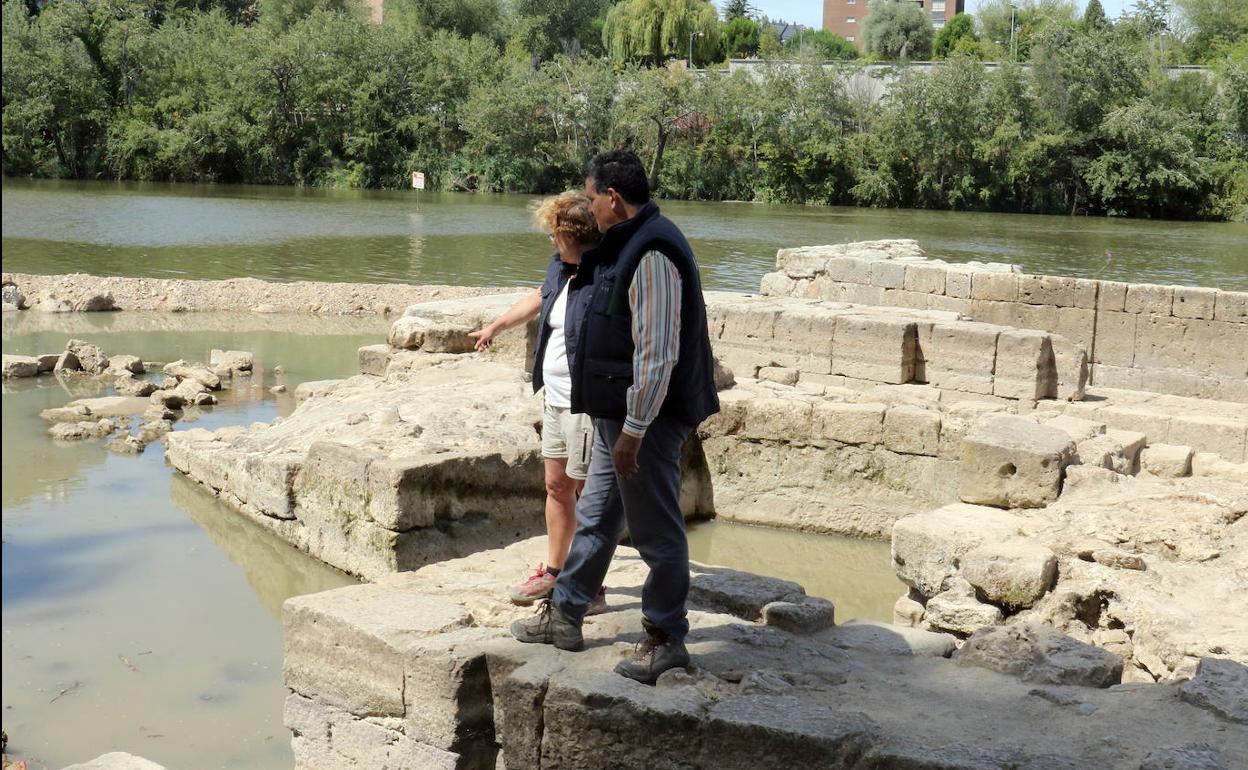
(536, 586)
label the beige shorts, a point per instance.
(570, 436)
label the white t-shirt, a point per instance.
(556, 375)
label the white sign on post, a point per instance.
(418, 180)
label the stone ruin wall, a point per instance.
(1177, 340)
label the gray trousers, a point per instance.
(650, 504)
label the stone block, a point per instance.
(1220, 686)
(1193, 302)
(779, 419)
(1075, 324)
(1013, 575)
(999, 286)
(20, 366)
(1188, 756)
(850, 270)
(1160, 343)
(927, 547)
(1025, 366)
(908, 299)
(315, 389)
(348, 646)
(804, 616)
(1111, 296)
(848, 423)
(874, 637)
(875, 348)
(1121, 377)
(1115, 450)
(1077, 428)
(781, 375)
(1216, 348)
(926, 278)
(742, 594)
(1070, 364)
(126, 363)
(235, 360)
(1038, 653)
(1046, 290)
(958, 281)
(959, 305)
(1231, 306)
(957, 611)
(1004, 313)
(1211, 464)
(962, 356)
(765, 731)
(1012, 462)
(912, 430)
(1115, 339)
(374, 359)
(777, 285)
(907, 612)
(447, 696)
(1149, 298)
(808, 331)
(1153, 422)
(871, 296)
(748, 323)
(184, 371)
(888, 274)
(1168, 461)
(1086, 292)
(1228, 436)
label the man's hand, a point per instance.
(484, 338)
(625, 455)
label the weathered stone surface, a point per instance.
(962, 356)
(1231, 306)
(912, 430)
(129, 385)
(927, 547)
(739, 593)
(1166, 460)
(1010, 574)
(745, 733)
(869, 636)
(117, 760)
(958, 611)
(185, 371)
(807, 615)
(781, 375)
(1037, 653)
(20, 366)
(1012, 462)
(374, 359)
(75, 431)
(234, 360)
(104, 406)
(315, 389)
(875, 348)
(992, 285)
(907, 612)
(1221, 686)
(90, 358)
(1116, 450)
(1149, 298)
(1190, 302)
(12, 296)
(1025, 365)
(125, 363)
(1186, 756)
(848, 423)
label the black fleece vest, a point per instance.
(603, 371)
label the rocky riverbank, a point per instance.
(79, 292)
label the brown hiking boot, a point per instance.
(655, 654)
(549, 626)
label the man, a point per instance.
(644, 373)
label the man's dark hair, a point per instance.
(622, 171)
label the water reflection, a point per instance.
(274, 568)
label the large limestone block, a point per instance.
(962, 356)
(1070, 362)
(1047, 290)
(993, 285)
(759, 732)
(416, 332)
(1150, 299)
(1025, 365)
(779, 419)
(927, 547)
(849, 270)
(1010, 574)
(1115, 450)
(235, 360)
(20, 366)
(888, 274)
(374, 359)
(1226, 435)
(882, 349)
(1111, 296)
(1194, 302)
(91, 358)
(1012, 462)
(1038, 653)
(329, 738)
(125, 363)
(958, 611)
(1169, 461)
(848, 423)
(186, 371)
(882, 638)
(1115, 338)
(926, 277)
(910, 429)
(1221, 686)
(1231, 306)
(349, 646)
(742, 594)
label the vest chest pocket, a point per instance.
(607, 387)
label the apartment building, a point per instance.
(845, 17)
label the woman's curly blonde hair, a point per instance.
(568, 214)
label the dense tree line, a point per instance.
(309, 92)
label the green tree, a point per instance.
(824, 45)
(558, 26)
(740, 37)
(960, 27)
(463, 17)
(1094, 16)
(897, 29)
(739, 9)
(1213, 26)
(655, 30)
(1028, 17)
(658, 100)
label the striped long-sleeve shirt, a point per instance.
(654, 298)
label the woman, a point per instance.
(566, 438)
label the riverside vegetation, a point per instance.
(512, 97)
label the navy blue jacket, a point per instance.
(558, 273)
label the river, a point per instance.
(285, 234)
